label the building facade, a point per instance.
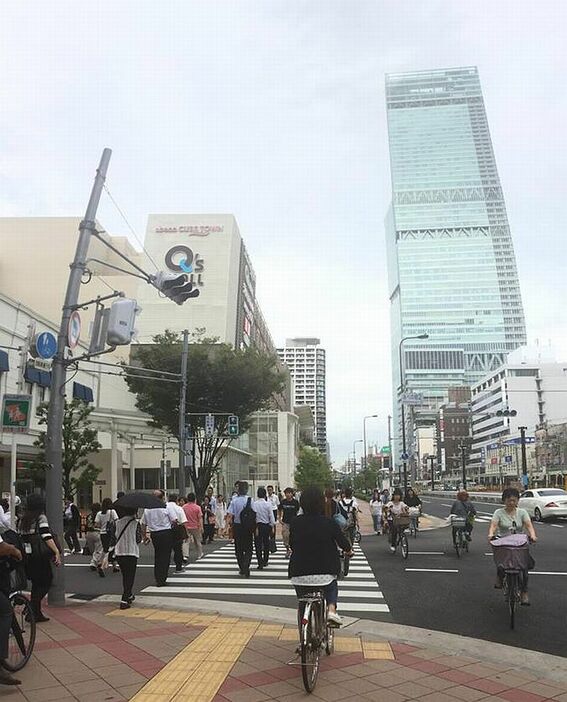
(524, 392)
(451, 265)
(306, 362)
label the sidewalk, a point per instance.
(426, 521)
(95, 651)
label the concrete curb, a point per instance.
(555, 667)
(475, 496)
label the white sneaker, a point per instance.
(392, 549)
(334, 618)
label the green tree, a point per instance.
(220, 380)
(312, 469)
(367, 479)
(79, 441)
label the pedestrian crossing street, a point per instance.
(216, 577)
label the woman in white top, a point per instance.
(396, 508)
(265, 527)
(127, 552)
(106, 515)
(220, 514)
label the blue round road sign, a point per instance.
(46, 345)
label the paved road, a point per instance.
(457, 595)
(439, 591)
(215, 577)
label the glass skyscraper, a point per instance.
(451, 265)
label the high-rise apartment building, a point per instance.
(306, 362)
(451, 266)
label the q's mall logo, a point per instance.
(181, 259)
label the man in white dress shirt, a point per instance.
(157, 522)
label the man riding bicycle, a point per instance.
(463, 508)
(348, 507)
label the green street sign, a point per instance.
(385, 449)
(16, 410)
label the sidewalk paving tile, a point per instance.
(545, 688)
(467, 694)
(411, 689)
(518, 695)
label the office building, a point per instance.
(526, 391)
(451, 266)
(306, 362)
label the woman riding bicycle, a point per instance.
(314, 562)
(512, 519)
(462, 507)
(396, 508)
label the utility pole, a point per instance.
(390, 464)
(463, 449)
(54, 433)
(525, 480)
(182, 410)
(432, 459)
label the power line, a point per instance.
(129, 226)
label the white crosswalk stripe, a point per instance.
(216, 577)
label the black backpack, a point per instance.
(248, 516)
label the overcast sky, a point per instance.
(274, 111)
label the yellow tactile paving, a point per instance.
(288, 634)
(198, 671)
(374, 650)
(347, 644)
(164, 615)
(202, 619)
(132, 613)
(271, 631)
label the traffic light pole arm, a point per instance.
(144, 275)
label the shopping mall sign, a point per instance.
(16, 410)
(191, 230)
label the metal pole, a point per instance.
(363, 466)
(390, 465)
(464, 461)
(182, 404)
(432, 459)
(524, 457)
(54, 433)
(405, 464)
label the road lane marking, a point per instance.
(281, 592)
(431, 570)
(370, 584)
(545, 572)
(557, 526)
(445, 505)
(427, 553)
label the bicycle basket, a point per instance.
(402, 521)
(414, 511)
(18, 579)
(458, 522)
(512, 552)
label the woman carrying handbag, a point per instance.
(40, 551)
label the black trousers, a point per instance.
(128, 566)
(163, 543)
(243, 547)
(178, 553)
(208, 533)
(72, 539)
(263, 544)
(41, 576)
(5, 624)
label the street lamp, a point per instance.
(370, 416)
(354, 443)
(404, 451)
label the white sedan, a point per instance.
(544, 503)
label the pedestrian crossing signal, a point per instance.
(233, 428)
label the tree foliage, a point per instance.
(220, 380)
(312, 469)
(366, 480)
(79, 441)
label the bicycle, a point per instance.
(401, 524)
(414, 514)
(512, 555)
(460, 541)
(316, 634)
(22, 633)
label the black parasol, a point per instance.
(139, 500)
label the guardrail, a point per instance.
(495, 497)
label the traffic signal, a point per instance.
(233, 428)
(176, 286)
(506, 413)
(121, 320)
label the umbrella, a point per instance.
(139, 500)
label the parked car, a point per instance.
(544, 503)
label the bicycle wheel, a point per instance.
(357, 537)
(22, 634)
(512, 595)
(346, 565)
(404, 545)
(457, 543)
(310, 650)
